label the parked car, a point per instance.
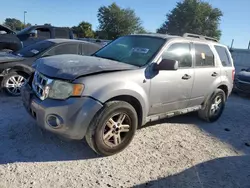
(15, 67)
(36, 33)
(242, 82)
(8, 40)
(133, 80)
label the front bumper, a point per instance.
(75, 114)
(241, 87)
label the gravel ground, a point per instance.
(178, 152)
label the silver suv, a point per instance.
(133, 80)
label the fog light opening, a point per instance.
(54, 121)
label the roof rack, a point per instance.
(199, 37)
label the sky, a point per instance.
(235, 24)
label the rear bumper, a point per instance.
(74, 114)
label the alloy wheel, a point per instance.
(116, 129)
(14, 83)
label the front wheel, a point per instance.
(13, 82)
(113, 128)
(214, 107)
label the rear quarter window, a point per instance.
(224, 56)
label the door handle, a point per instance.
(186, 77)
(214, 74)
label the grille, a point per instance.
(41, 85)
(245, 86)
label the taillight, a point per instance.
(233, 74)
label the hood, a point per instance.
(244, 76)
(69, 67)
(8, 57)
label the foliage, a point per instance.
(115, 21)
(15, 24)
(193, 16)
(83, 30)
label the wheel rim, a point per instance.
(116, 129)
(216, 106)
(14, 84)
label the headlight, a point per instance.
(63, 90)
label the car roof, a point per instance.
(190, 39)
(58, 41)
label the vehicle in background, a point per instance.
(241, 59)
(16, 67)
(133, 80)
(8, 40)
(33, 34)
(242, 82)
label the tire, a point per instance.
(207, 112)
(8, 81)
(100, 128)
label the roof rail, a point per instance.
(199, 37)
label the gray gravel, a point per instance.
(178, 152)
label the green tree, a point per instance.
(14, 24)
(115, 21)
(84, 29)
(193, 16)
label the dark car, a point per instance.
(33, 34)
(16, 67)
(242, 82)
(9, 40)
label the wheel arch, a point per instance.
(133, 102)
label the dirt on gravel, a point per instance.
(178, 152)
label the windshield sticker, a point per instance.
(34, 51)
(140, 50)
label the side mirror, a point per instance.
(166, 64)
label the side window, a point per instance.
(204, 56)
(88, 49)
(40, 33)
(64, 49)
(224, 56)
(180, 52)
(61, 33)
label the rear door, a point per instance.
(228, 70)
(206, 71)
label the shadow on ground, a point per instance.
(22, 141)
(228, 172)
(232, 128)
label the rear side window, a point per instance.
(204, 56)
(61, 33)
(224, 56)
(89, 49)
(71, 48)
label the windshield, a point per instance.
(134, 50)
(34, 49)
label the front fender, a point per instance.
(116, 89)
(23, 68)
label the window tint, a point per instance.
(224, 56)
(61, 33)
(40, 33)
(179, 52)
(71, 48)
(204, 57)
(89, 49)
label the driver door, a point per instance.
(171, 90)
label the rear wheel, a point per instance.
(214, 107)
(13, 82)
(113, 128)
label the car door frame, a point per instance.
(198, 100)
(157, 60)
(60, 44)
